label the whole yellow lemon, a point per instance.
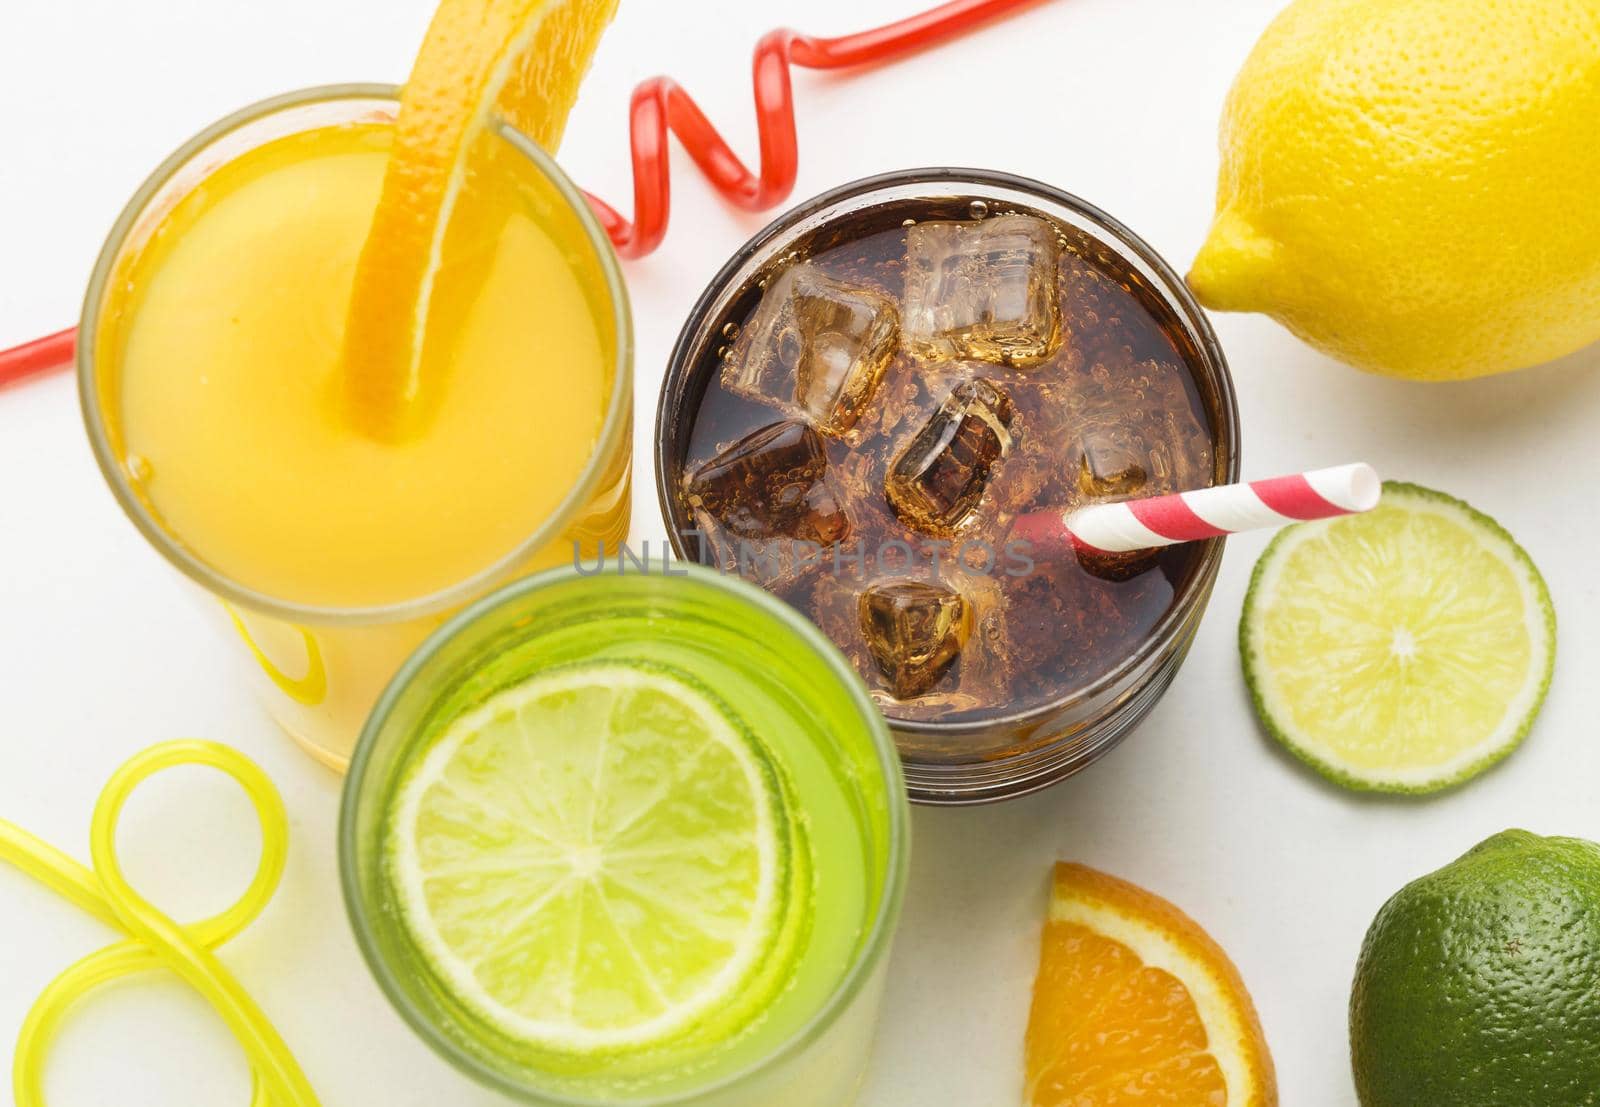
(1413, 186)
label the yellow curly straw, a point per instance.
(154, 940)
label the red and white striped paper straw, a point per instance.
(1206, 512)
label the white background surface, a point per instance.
(100, 653)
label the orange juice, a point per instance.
(214, 364)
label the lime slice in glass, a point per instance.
(599, 859)
(1404, 650)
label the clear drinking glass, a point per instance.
(319, 669)
(1006, 753)
(790, 685)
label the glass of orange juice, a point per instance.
(207, 366)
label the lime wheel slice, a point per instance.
(1404, 650)
(599, 859)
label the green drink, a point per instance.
(631, 839)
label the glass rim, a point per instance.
(613, 429)
(814, 213)
(879, 935)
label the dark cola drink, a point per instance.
(896, 395)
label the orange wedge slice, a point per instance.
(519, 59)
(1136, 1006)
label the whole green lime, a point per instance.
(1479, 985)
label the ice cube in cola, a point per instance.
(926, 643)
(939, 477)
(1136, 434)
(767, 501)
(983, 290)
(816, 348)
(914, 630)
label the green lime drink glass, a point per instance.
(796, 1031)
